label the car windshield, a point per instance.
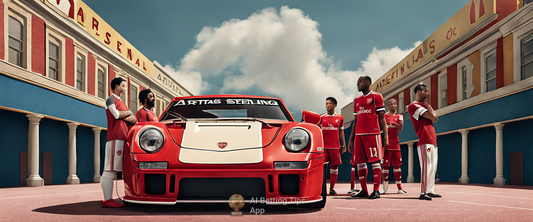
(226, 108)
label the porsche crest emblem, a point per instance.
(222, 145)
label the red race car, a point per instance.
(205, 149)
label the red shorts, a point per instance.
(333, 156)
(367, 148)
(393, 146)
(393, 157)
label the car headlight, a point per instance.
(151, 140)
(296, 139)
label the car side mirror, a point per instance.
(310, 117)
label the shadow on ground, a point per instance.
(94, 208)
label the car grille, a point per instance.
(220, 188)
(155, 184)
(289, 184)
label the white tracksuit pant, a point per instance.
(428, 156)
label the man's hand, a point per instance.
(124, 114)
(343, 149)
(427, 105)
(131, 119)
(431, 114)
(350, 147)
(384, 140)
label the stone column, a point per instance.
(96, 177)
(410, 177)
(464, 157)
(499, 180)
(72, 177)
(34, 179)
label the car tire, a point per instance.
(321, 204)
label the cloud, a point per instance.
(280, 54)
(191, 80)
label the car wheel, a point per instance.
(321, 204)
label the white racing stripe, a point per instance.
(201, 143)
(491, 205)
(44, 195)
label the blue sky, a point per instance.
(300, 51)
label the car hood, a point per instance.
(223, 142)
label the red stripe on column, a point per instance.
(38, 44)
(452, 84)
(69, 62)
(91, 74)
(111, 75)
(407, 96)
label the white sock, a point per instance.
(106, 182)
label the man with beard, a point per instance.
(146, 113)
(423, 117)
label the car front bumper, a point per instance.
(257, 186)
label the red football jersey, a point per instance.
(145, 115)
(366, 107)
(392, 131)
(423, 126)
(331, 124)
(117, 129)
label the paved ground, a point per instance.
(459, 203)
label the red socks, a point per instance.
(398, 177)
(362, 171)
(376, 171)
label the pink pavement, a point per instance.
(459, 203)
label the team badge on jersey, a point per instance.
(119, 152)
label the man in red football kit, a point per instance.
(423, 116)
(332, 125)
(117, 114)
(369, 112)
(392, 151)
(146, 112)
